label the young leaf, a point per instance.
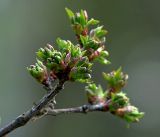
(70, 13)
(92, 22)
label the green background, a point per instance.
(133, 42)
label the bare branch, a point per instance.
(35, 110)
(81, 109)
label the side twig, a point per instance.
(27, 116)
(81, 109)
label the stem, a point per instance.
(23, 119)
(81, 109)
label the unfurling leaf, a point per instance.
(116, 80)
(129, 113)
(95, 94)
(39, 72)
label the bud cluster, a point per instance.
(68, 63)
(116, 80)
(129, 113)
(92, 41)
(73, 63)
(80, 22)
(39, 72)
(115, 101)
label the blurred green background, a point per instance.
(133, 42)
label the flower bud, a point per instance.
(39, 72)
(44, 53)
(85, 15)
(129, 113)
(50, 47)
(67, 58)
(116, 80)
(95, 95)
(81, 74)
(118, 100)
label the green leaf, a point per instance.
(70, 13)
(82, 18)
(84, 39)
(44, 53)
(132, 114)
(99, 32)
(103, 60)
(62, 44)
(92, 22)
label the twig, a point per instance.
(27, 116)
(81, 109)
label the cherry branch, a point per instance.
(74, 63)
(24, 118)
(81, 109)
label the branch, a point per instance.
(24, 118)
(81, 109)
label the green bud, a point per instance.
(45, 53)
(95, 95)
(81, 74)
(84, 39)
(83, 18)
(98, 34)
(92, 43)
(116, 80)
(78, 29)
(38, 71)
(67, 46)
(57, 59)
(41, 54)
(62, 44)
(54, 63)
(70, 13)
(83, 62)
(80, 21)
(92, 22)
(118, 100)
(129, 113)
(102, 60)
(75, 51)
(104, 53)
